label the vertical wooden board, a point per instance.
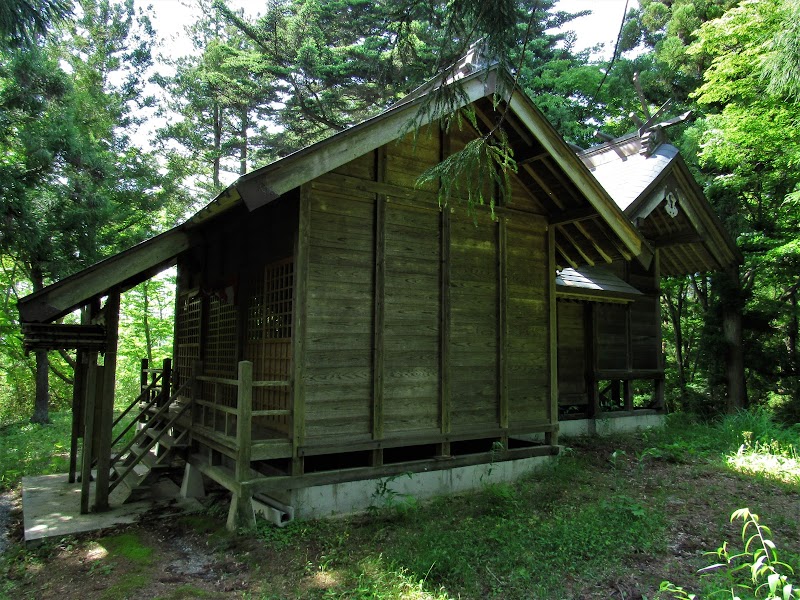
(362, 167)
(522, 199)
(527, 322)
(612, 335)
(474, 301)
(645, 337)
(412, 320)
(339, 387)
(408, 157)
(571, 344)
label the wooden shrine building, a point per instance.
(334, 324)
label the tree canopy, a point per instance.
(74, 89)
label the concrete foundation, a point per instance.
(611, 423)
(51, 507)
(357, 496)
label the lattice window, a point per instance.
(219, 359)
(269, 340)
(187, 336)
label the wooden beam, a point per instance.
(566, 160)
(587, 234)
(530, 155)
(59, 299)
(675, 240)
(566, 256)
(551, 195)
(562, 229)
(568, 185)
(575, 215)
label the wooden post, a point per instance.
(627, 394)
(379, 321)
(300, 302)
(241, 509)
(88, 430)
(143, 375)
(107, 403)
(166, 381)
(592, 398)
(194, 391)
(551, 437)
(244, 421)
(78, 398)
(446, 319)
(659, 384)
(502, 319)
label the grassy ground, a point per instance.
(612, 519)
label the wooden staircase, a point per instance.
(158, 444)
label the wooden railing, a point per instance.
(234, 422)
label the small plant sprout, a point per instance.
(767, 577)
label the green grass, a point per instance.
(601, 513)
(30, 449)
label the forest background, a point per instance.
(77, 85)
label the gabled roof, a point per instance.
(589, 226)
(659, 194)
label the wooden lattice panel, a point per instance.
(187, 336)
(269, 340)
(219, 359)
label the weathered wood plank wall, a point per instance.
(420, 323)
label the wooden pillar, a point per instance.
(244, 420)
(659, 384)
(627, 394)
(502, 320)
(592, 399)
(194, 393)
(241, 509)
(78, 400)
(107, 402)
(144, 375)
(379, 320)
(166, 381)
(552, 334)
(88, 429)
(444, 331)
(300, 302)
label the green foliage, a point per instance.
(31, 449)
(23, 21)
(483, 165)
(753, 572)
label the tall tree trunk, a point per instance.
(675, 318)
(732, 330)
(243, 147)
(148, 336)
(792, 343)
(41, 405)
(217, 116)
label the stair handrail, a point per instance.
(139, 398)
(146, 448)
(155, 415)
(147, 407)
